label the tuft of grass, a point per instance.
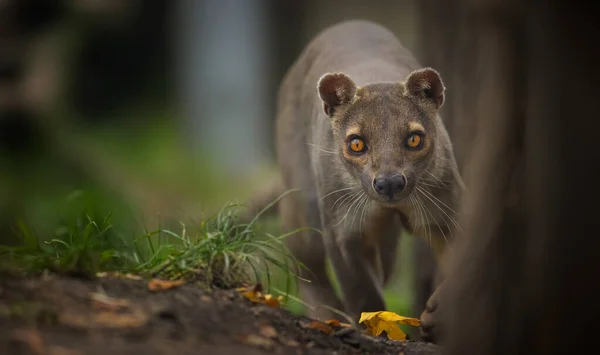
(84, 247)
(221, 252)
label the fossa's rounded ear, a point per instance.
(426, 85)
(335, 89)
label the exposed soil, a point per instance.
(61, 315)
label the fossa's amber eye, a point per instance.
(414, 141)
(357, 145)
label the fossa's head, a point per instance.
(385, 132)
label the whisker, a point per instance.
(431, 181)
(344, 197)
(440, 201)
(348, 201)
(419, 220)
(365, 206)
(426, 193)
(441, 230)
(358, 206)
(424, 218)
(344, 189)
(321, 148)
(435, 177)
(353, 201)
(414, 208)
(422, 182)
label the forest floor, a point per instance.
(66, 315)
(180, 289)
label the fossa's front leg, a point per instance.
(358, 279)
(355, 254)
(431, 318)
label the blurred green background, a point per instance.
(155, 110)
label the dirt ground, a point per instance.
(62, 315)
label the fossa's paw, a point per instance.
(431, 320)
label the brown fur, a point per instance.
(356, 78)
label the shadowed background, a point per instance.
(163, 109)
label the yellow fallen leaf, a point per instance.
(377, 322)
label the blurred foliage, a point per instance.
(110, 144)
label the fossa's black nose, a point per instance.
(389, 185)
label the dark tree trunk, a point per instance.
(522, 276)
(444, 38)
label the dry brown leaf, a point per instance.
(106, 312)
(257, 340)
(132, 277)
(333, 323)
(292, 343)
(119, 275)
(337, 323)
(102, 301)
(130, 317)
(318, 325)
(272, 301)
(377, 322)
(162, 285)
(206, 299)
(115, 320)
(255, 295)
(268, 331)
